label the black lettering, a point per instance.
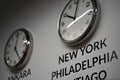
(12, 78)
(94, 60)
(102, 59)
(108, 57)
(63, 72)
(66, 72)
(53, 75)
(78, 78)
(61, 59)
(87, 77)
(84, 65)
(67, 57)
(89, 48)
(16, 77)
(88, 64)
(21, 75)
(71, 69)
(77, 67)
(25, 73)
(29, 72)
(102, 43)
(93, 47)
(102, 75)
(74, 54)
(114, 55)
(59, 73)
(94, 76)
(9, 78)
(82, 50)
(96, 45)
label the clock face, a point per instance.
(78, 20)
(18, 49)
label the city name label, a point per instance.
(103, 58)
(21, 75)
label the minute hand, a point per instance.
(79, 17)
(76, 10)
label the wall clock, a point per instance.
(18, 49)
(78, 20)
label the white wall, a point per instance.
(40, 17)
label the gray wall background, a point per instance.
(40, 17)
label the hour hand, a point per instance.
(17, 52)
(66, 15)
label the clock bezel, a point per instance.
(91, 28)
(25, 58)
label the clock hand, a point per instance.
(17, 39)
(76, 9)
(15, 48)
(79, 17)
(16, 52)
(66, 15)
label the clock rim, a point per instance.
(91, 28)
(25, 58)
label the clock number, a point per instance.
(8, 58)
(10, 61)
(87, 4)
(83, 1)
(12, 38)
(23, 37)
(76, 2)
(14, 62)
(87, 22)
(17, 34)
(62, 23)
(64, 31)
(9, 45)
(90, 13)
(68, 34)
(70, 6)
(65, 15)
(74, 35)
(7, 52)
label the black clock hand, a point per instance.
(17, 52)
(17, 39)
(76, 9)
(66, 15)
(73, 17)
(15, 48)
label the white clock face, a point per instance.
(17, 49)
(77, 20)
